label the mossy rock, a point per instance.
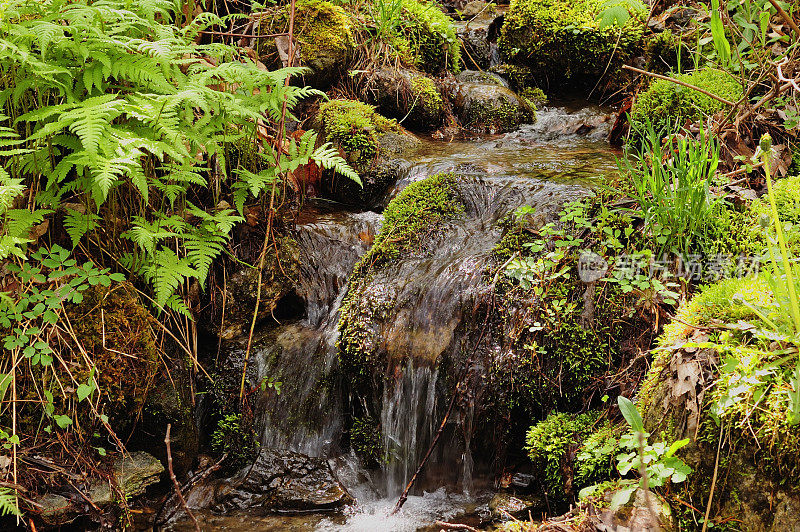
(417, 211)
(686, 391)
(490, 108)
(427, 39)
(669, 105)
(406, 95)
(370, 142)
(562, 43)
(324, 32)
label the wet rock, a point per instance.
(485, 78)
(406, 95)
(278, 280)
(473, 8)
(283, 481)
(132, 474)
(504, 505)
(479, 39)
(54, 509)
(489, 108)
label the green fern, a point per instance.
(8, 503)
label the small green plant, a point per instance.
(656, 463)
(235, 440)
(670, 182)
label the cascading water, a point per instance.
(434, 317)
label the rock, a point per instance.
(408, 96)
(278, 280)
(281, 481)
(325, 38)
(54, 509)
(371, 143)
(489, 108)
(132, 474)
(479, 40)
(504, 505)
(484, 78)
(473, 8)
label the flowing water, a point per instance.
(433, 319)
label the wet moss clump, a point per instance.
(356, 128)
(667, 105)
(366, 441)
(238, 441)
(562, 43)
(325, 34)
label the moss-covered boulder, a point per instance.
(325, 35)
(416, 212)
(490, 108)
(561, 41)
(406, 95)
(720, 383)
(665, 104)
(370, 142)
(425, 38)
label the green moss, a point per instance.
(787, 199)
(496, 115)
(408, 219)
(661, 50)
(666, 104)
(429, 38)
(242, 154)
(324, 32)
(548, 441)
(426, 95)
(356, 128)
(533, 96)
(366, 441)
(562, 43)
(731, 231)
(596, 460)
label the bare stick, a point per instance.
(175, 481)
(785, 16)
(401, 501)
(679, 82)
(454, 526)
(713, 481)
(271, 215)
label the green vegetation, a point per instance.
(324, 32)
(366, 440)
(667, 106)
(563, 42)
(548, 441)
(415, 33)
(237, 441)
(428, 99)
(356, 128)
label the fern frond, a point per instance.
(78, 224)
(328, 157)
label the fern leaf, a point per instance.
(328, 157)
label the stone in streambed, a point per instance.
(489, 108)
(282, 481)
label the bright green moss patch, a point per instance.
(324, 31)
(547, 443)
(355, 127)
(427, 96)
(562, 43)
(411, 216)
(666, 104)
(431, 38)
(366, 441)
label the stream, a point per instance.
(432, 319)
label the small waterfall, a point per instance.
(301, 353)
(408, 421)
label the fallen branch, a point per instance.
(786, 17)
(402, 500)
(175, 481)
(454, 526)
(679, 82)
